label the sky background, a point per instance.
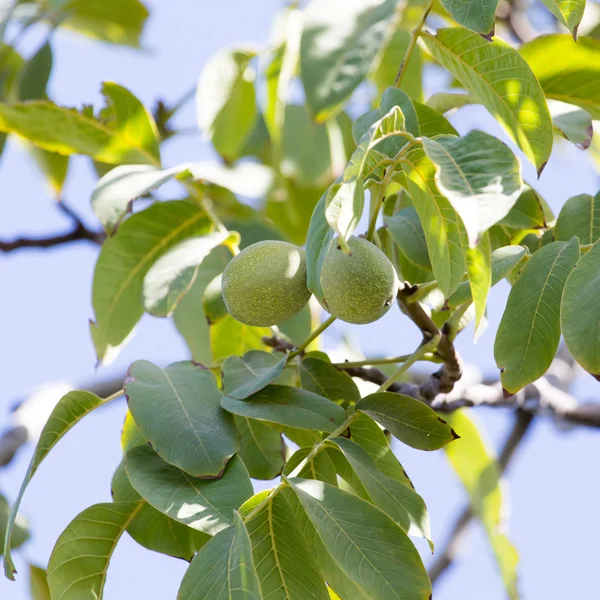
(45, 307)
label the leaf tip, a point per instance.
(574, 32)
(541, 169)
(506, 394)
(455, 435)
(596, 376)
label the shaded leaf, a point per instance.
(38, 583)
(172, 275)
(54, 167)
(365, 543)
(284, 565)
(226, 101)
(288, 406)
(261, 448)
(432, 122)
(223, 569)
(321, 377)
(79, 561)
(249, 374)
(574, 124)
(580, 311)
(407, 419)
(529, 331)
(406, 230)
(445, 102)
(568, 12)
(527, 212)
(206, 505)
(34, 77)
(476, 16)
(153, 529)
(476, 467)
(320, 467)
(178, 411)
(479, 270)
(230, 337)
(503, 261)
(343, 210)
(68, 412)
(126, 258)
(20, 527)
(212, 300)
(502, 81)
(395, 499)
(567, 71)
(579, 216)
(340, 42)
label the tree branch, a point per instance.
(445, 559)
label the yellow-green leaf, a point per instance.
(568, 12)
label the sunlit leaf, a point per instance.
(178, 411)
(20, 530)
(38, 583)
(340, 41)
(288, 406)
(502, 81)
(223, 569)
(407, 419)
(68, 412)
(529, 331)
(579, 216)
(226, 101)
(479, 270)
(126, 258)
(343, 211)
(432, 122)
(365, 543)
(230, 337)
(580, 311)
(527, 212)
(567, 71)
(568, 12)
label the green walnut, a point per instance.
(358, 287)
(265, 283)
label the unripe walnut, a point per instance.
(265, 283)
(361, 286)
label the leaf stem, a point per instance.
(114, 396)
(313, 336)
(417, 355)
(375, 210)
(413, 42)
(367, 362)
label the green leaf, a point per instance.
(171, 276)
(580, 311)
(398, 501)
(318, 241)
(527, 212)
(568, 12)
(249, 374)
(126, 258)
(340, 42)
(529, 331)
(223, 569)
(38, 583)
(206, 505)
(406, 230)
(68, 412)
(114, 21)
(365, 543)
(367, 434)
(572, 123)
(226, 101)
(432, 122)
(67, 131)
(152, 529)
(321, 377)
(390, 98)
(476, 467)
(305, 149)
(579, 216)
(288, 406)
(285, 567)
(54, 167)
(503, 261)
(479, 175)
(479, 270)
(298, 327)
(230, 337)
(20, 527)
(178, 411)
(131, 120)
(567, 71)
(34, 77)
(343, 210)
(320, 467)
(384, 73)
(116, 190)
(79, 561)
(445, 102)
(440, 221)
(502, 81)
(407, 419)
(212, 300)
(188, 317)
(262, 448)
(478, 16)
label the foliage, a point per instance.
(263, 402)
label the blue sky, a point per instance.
(45, 307)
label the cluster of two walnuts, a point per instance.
(265, 284)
